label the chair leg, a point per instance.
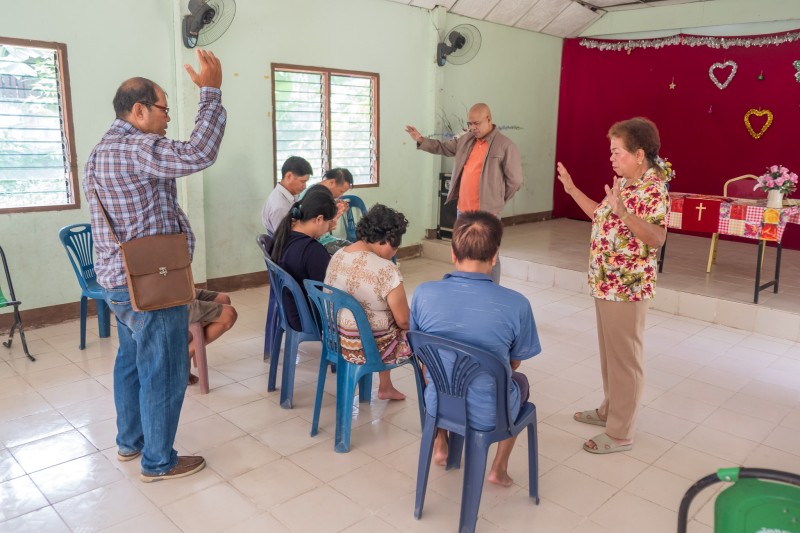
(275, 355)
(271, 326)
(712, 252)
(455, 447)
(424, 466)
(200, 360)
(323, 373)
(103, 319)
(18, 325)
(533, 463)
(477, 450)
(289, 366)
(345, 391)
(365, 387)
(83, 322)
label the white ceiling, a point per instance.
(561, 18)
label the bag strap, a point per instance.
(108, 222)
(105, 216)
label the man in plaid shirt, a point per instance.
(133, 171)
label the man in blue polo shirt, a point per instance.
(466, 306)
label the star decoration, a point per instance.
(672, 85)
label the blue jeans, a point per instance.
(150, 377)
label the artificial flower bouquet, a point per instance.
(777, 178)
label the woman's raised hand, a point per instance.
(565, 179)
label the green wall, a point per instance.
(516, 73)
(101, 54)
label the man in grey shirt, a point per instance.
(295, 172)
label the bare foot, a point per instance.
(440, 451)
(193, 379)
(390, 394)
(500, 478)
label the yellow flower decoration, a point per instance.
(772, 216)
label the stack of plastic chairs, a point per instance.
(13, 302)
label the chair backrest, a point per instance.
(281, 283)
(349, 217)
(453, 366)
(742, 187)
(78, 242)
(329, 302)
(265, 242)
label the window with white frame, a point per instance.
(38, 170)
(327, 116)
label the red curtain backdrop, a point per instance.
(702, 127)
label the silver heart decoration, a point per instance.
(722, 65)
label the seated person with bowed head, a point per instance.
(338, 181)
(294, 177)
(365, 270)
(296, 249)
(466, 306)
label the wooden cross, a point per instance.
(700, 209)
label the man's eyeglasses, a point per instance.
(161, 107)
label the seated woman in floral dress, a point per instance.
(365, 270)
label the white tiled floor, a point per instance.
(716, 396)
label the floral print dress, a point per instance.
(369, 279)
(622, 268)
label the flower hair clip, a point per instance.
(666, 168)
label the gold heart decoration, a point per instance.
(758, 113)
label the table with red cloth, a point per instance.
(739, 217)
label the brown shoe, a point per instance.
(187, 465)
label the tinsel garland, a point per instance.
(693, 40)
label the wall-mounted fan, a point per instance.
(207, 21)
(459, 46)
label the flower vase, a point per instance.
(775, 198)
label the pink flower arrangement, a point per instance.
(777, 178)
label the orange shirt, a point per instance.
(469, 192)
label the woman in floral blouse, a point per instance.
(366, 271)
(628, 227)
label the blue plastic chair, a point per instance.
(78, 242)
(349, 217)
(329, 302)
(468, 363)
(280, 283)
(265, 242)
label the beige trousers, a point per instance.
(620, 331)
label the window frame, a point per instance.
(68, 128)
(327, 73)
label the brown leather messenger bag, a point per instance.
(158, 269)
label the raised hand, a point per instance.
(416, 135)
(614, 198)
(210, 70)
(565, 179)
